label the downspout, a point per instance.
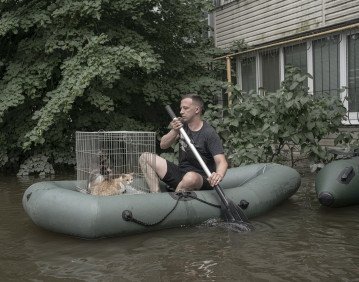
(229, 79)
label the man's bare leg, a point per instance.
(191, 181)
(147, 164)
(153, 166)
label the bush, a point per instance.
(271, 127)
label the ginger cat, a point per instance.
(109, 187)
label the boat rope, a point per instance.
(128, 216)
(188, 194)
(203, 201)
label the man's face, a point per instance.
(188, 109)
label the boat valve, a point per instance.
(326, 199)
(346, 175)
(28, 196)
(243, 204)
(127, 215)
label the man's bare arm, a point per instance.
(168, 139)
(221, 169)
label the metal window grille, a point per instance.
(296, 56)
(270, 70)
(248, 66)
(119, 151)
(353, 72)
(326, 66)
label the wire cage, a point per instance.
(112, 153)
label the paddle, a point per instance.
(231, 212)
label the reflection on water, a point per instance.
(297, 241)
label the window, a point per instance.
(326, 65)
(270, 71)
(353, 73)
(248, 68)
(332, 61)
(296, 56)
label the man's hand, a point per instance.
(170, 138)
(176, 124)
(214, 179)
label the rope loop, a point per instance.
(128, 216)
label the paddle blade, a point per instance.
(234, 215)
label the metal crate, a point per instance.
(119, 151)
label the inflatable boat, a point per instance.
(59, 207)
(337, 183)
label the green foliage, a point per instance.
(238, 46)
(173, 155)
(261, 128)
(36, 164)
(91, 65)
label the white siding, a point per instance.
(338, 11)
(262, 21)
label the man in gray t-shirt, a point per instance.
(207, 143)
(188, 175)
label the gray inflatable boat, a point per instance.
(58, 206)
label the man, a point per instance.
(188, 175)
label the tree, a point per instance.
(91, 65)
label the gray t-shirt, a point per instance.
(208, 145)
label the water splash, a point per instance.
(231, 226)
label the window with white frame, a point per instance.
(332, 61)
(326, 66)
(296, 56)
(248, 70)
(270, 71)
(353, 73)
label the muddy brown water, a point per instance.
(297, 241)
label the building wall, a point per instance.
(328, 141)
(262, 21)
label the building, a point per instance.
(319, 36)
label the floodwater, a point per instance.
(296, 241)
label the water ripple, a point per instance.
(297, 241)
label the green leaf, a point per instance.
(295, 139)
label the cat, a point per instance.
(109, 187)
(96, 178)
(100, 174)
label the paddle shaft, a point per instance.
(218, 188)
